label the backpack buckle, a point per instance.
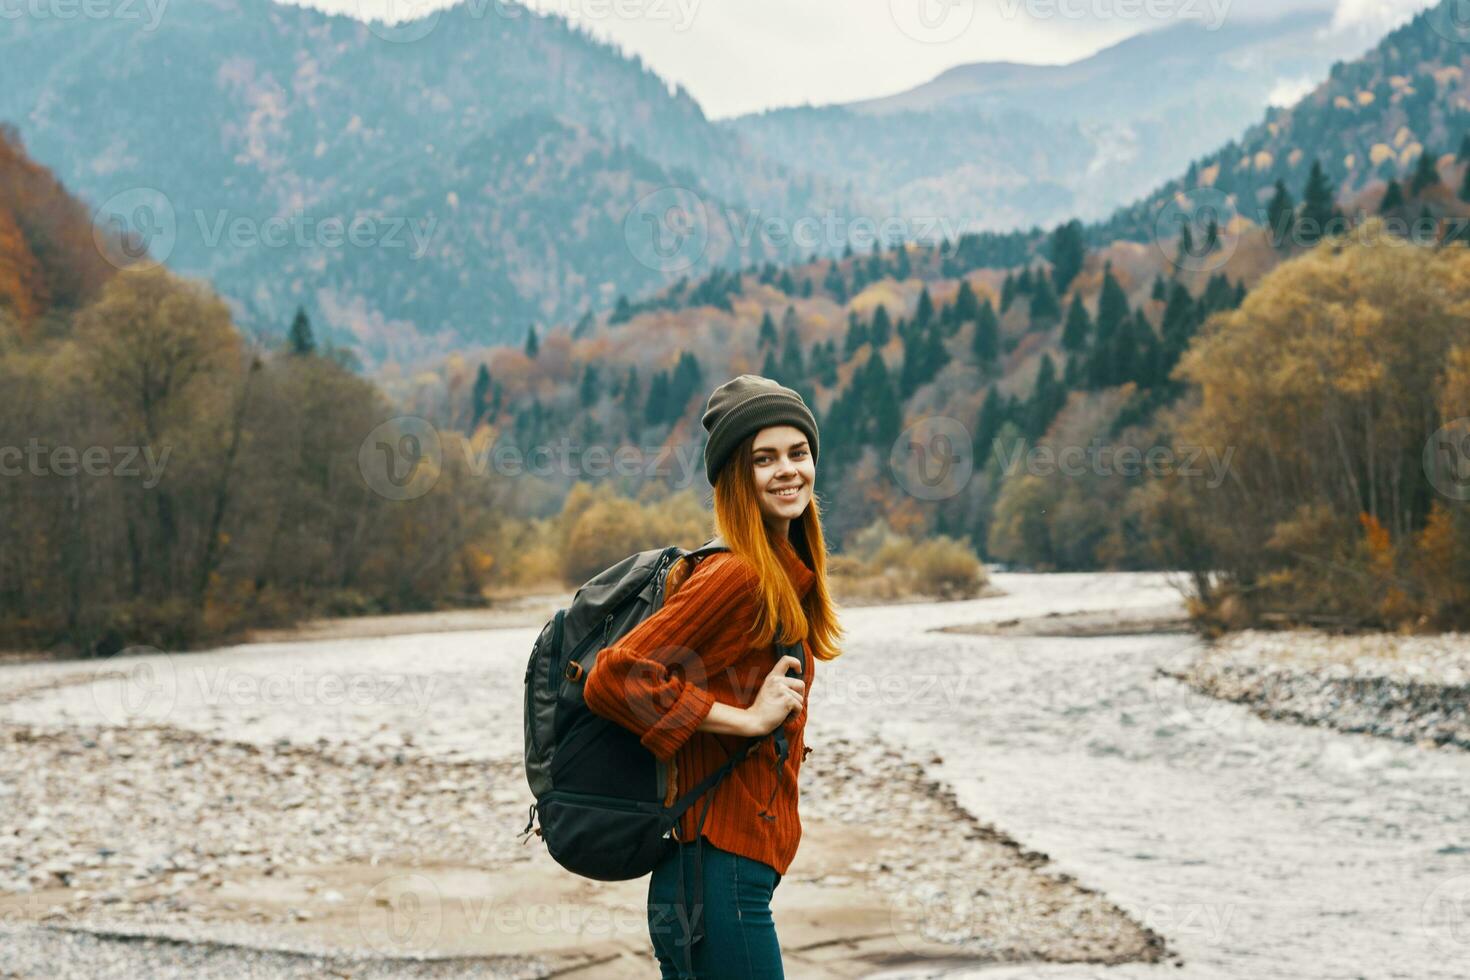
(573, 671)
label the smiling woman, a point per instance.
(761, 457)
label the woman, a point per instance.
(700, 677)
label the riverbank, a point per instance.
(218, 804)
(1408, 688)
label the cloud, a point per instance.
(1289, 91)
(1375, 18)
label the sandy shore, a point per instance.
(1112, 622)
(231, 833)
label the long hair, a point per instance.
(738, 520)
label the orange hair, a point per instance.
(738, 520)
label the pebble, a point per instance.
(1408, 688)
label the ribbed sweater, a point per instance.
(661, 678)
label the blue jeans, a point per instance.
(739, 940)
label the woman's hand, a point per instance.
(778, 697)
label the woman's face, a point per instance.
(782, 460)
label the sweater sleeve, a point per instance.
(654, 680)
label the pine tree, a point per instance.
(622, 311)
(1159, 290)
(827, 371)
(925, 312)
(533, 346)
(966, 304)
(1393, 197)
(1007, 293)
(655, 410)
(881, 329)
(1110, 336)
(767, 331)
(792, 367)
(857, 335)
(303, 342)
(1178, 323)
(1047, 397)
(770, 369)
(1150, 371)
(901, 269)
(1317, 205)
(1426, 174)
(1045, 307)
(1465, 186)
(1067, 251)
(587, 391)
(986, 344)
(1281, 216)
(1464, 155)
(631, 398)
(887, 415)
(787, 285)
(1125, 353)
(584, 325)
(480, 396)
(1212, 236)
(992, 417)
(1218, 295)
(1074, 334)
(836, 284)
(1072, 374)
(1186, 248)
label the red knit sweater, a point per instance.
(660, 679)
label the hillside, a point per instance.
(52, 260)
(1069, 331)
(1368, 123)
(1003, 145)
(244, 119)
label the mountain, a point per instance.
(1078, 328)
(1368, 123)
(242, 140)
(1003, 145)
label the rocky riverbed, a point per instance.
(1409, 688)
(352, 806)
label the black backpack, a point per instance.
(599, 792)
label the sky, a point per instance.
(739, 56)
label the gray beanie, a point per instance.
(745, 405)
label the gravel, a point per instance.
(1408, 688)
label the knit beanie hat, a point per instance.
(745, 405)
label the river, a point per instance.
(1258, 849)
